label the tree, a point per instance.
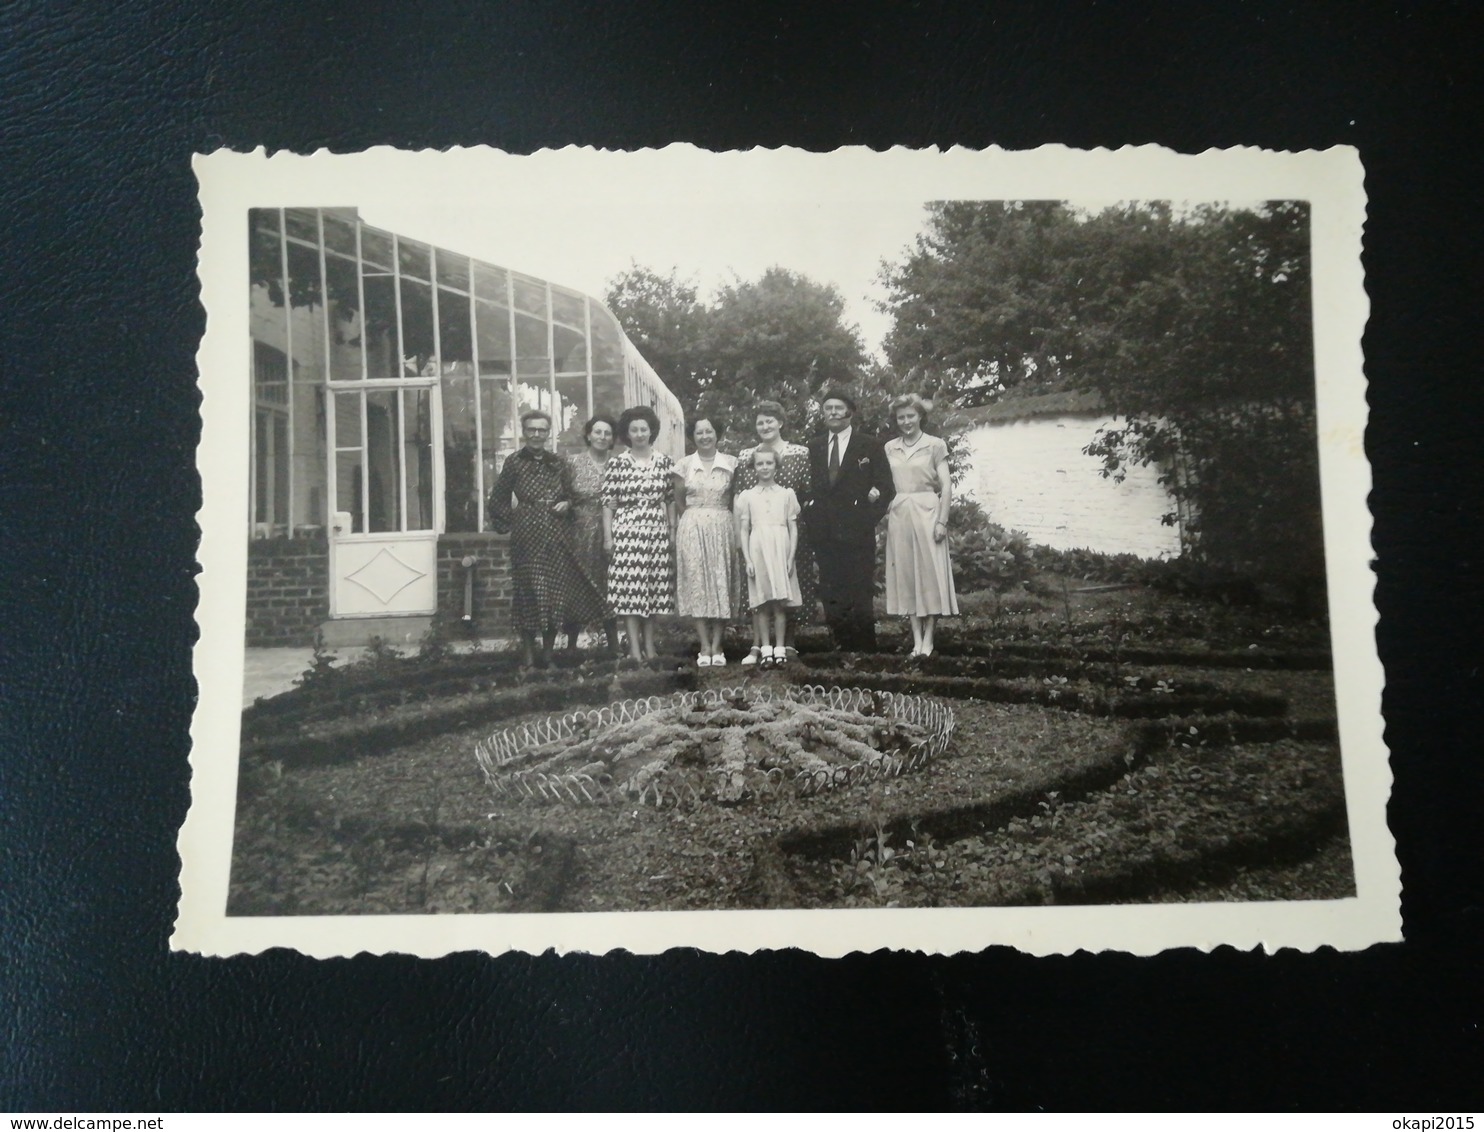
(1194, 326)
(666, 321)
(1214, 377)
(982, 305)
(781, 337)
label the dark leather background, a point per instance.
(101, 107)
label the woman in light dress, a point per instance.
(639, 530)
(768, 531)
(587, 516)
(919, 574)
(705, 540)
(769, 419)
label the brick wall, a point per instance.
(491, 581)
(287, 590)
(1031, 475)
(288, 587)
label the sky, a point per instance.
(709, 242)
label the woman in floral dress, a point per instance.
(532, 502)
(770, 419)
(639, 530)
(705, 540)
(587, 516)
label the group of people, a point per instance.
(629, 533)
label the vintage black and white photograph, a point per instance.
(964, 539)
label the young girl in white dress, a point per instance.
(768, 531)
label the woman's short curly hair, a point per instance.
(911, 401)
(638, 413)
(601, 418)
(770, 409)
(532, 415)
(716, 422)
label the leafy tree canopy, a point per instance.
(781, 337)
(665, 319)
(1194, 325)
(1151, 307)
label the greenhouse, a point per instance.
(388, 379)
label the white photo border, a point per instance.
(1332, 180)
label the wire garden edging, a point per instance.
(498, 750)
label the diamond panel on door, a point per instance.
(385, 577)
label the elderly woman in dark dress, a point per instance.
(587, 515)
(532, 502)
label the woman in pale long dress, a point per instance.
(768, 531)
(587, 516)
(705, 540)
(919, 573)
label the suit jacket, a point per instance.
(840, 512)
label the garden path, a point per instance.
(268, 672)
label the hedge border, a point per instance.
(1293, 839)
(1293, 660)
(991, 667)
(369, 687)
(357, 738)
(1137, 706)
(1142, 741)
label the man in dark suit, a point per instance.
(852, 489)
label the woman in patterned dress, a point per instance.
(639, 530)
(770, 419)
(532, 503)
(587, 516)
(919, 573)
(705, 539)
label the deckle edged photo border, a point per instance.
(388, 487)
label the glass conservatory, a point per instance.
(388, 380)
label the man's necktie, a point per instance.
(834, 458)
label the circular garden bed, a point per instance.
(988, 777)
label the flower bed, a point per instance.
(720, 745)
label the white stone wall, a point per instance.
(1031, 475)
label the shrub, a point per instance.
(985, 555)
(1090, 565)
